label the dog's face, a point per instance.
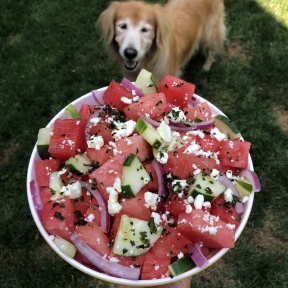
(135, 31)
(134, 38)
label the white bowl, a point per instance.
(214, 256)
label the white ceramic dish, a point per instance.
(215, 255)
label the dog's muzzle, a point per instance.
(129, 63)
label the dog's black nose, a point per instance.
(130, 53)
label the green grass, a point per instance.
(50, 54)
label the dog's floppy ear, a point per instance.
(162, 27)
(106, 21)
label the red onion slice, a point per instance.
(197, 256)
(104, 264)
(98, 97)
(161, 190)
(197, 125)
(192, 102)
(181, 127)
(224, 180)
(252, 178)
(154, 123)
(105, 216)
(89, 124)
(36, 197)
(130, 86)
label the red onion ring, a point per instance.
(105, 216)
(197, 255)
(197, 125)
(252, 178)
(161, 190)
(98, 97)
(89, 124)
(192, 102)
(224, 180)
(181, 127)
(36, 197)
(101, 263)
(130, 86)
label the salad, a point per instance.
(143, 181)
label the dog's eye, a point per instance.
(123, 26)
(145, 30)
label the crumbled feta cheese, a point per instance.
(206, 204)
(212, 230)
(113, 205)
(151, 200)
(215, 174)
(197, 171)
(114, 259)
(95, 120)
(188, 209)
(117, 184)
(176, 115)
(61, 172)
(95, 142)
(126, 100)
(198, 201)
(179, 185)
(73, 190)
(157, 218)
(90, 217)
(215, 133)
(245, 199)
(162, 157)
(230, 226)
(123, 130)
(228, 195)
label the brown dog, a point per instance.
(162, 39)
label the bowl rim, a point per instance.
(216, 253)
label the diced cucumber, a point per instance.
(55, 185)
(71, 112)
(43, 142)
(147, 82)
(65, 246)
(181, 265)
(135, 236)
(225, 125)
(206, 186)
(149, 133)
(79, 164)
(244, 187)
(134, 176)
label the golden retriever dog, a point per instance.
(162, 39)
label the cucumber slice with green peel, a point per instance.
(147, 82)
(182, 265)
(244, 187)
(44, 136)
(71, 112)
(135, 237)
(225, 125)
(79, 164)
(55, 185)
(134, 176)
(65, 246)
(149, 133)
(206, 186)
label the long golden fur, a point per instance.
(162, 39)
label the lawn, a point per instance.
(50, 54)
